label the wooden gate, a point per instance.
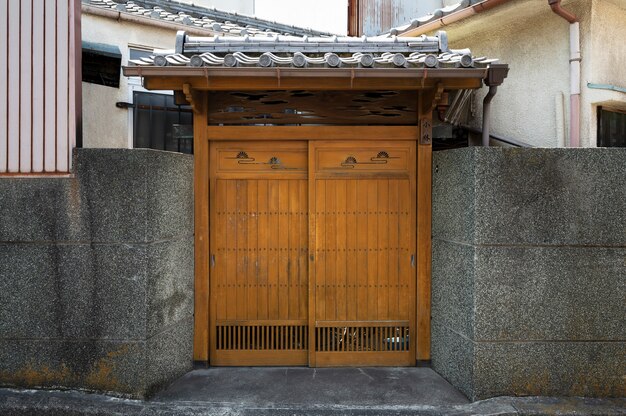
(353, 204)
(362, 219)
(259, 267)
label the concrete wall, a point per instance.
(96, 274)
(105, 125)
(529, 271)
(533, 103)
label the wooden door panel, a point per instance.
(259, 270)
(363, 275)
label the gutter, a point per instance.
(454, 17)
(278, 72)
(148, 21)
(574, 70)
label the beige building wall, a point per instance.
(533, 103)
(105, 125)
(604, 62)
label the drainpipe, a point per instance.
(574, 70)
(487, 113)
(495, 77)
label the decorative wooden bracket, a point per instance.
(432, 99)
(194, 98)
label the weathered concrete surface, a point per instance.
(303, 391)
(96, 274)
(529, 278)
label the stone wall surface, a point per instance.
(96, 274)
(529, 271)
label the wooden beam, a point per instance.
(201, 209)
(424, 219)
(312, 132)
(300, 83)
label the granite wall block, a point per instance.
(96, 274)
(528, 276)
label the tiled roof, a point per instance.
(293, 51)
(216, 21)
(436, 14)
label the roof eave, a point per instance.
(142, 20)
(207, 78)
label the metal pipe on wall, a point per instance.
(487, 113)
(574, 65)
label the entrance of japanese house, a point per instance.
(312, 253)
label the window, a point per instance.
(611, 128)
(101, 64)
(158, 123)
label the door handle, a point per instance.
(412, 260)
(212, 260)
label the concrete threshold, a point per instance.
(301, 391)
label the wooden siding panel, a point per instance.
(40, 96)
(38, 87)
(26, 90)
(74, 80)
(14, 87)
(50, 107)
(4, 51)
(62, 76)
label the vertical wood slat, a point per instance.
(38, 89)
(13, 89)
(4, 55)
(62, 75)
(74, 69)
(50, 60)
(25, 86)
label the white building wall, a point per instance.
(105, 125)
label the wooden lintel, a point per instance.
(312, 132)
(313, 84)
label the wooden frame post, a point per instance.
(427, 102)
(199, 104)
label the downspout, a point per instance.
(495, 77)
(574, 70)
(487, 114)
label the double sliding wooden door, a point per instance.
(313, 253)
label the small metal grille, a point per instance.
(362, 339)
(262, 337)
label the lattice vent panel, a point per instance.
(362, 339)
(262, 337)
